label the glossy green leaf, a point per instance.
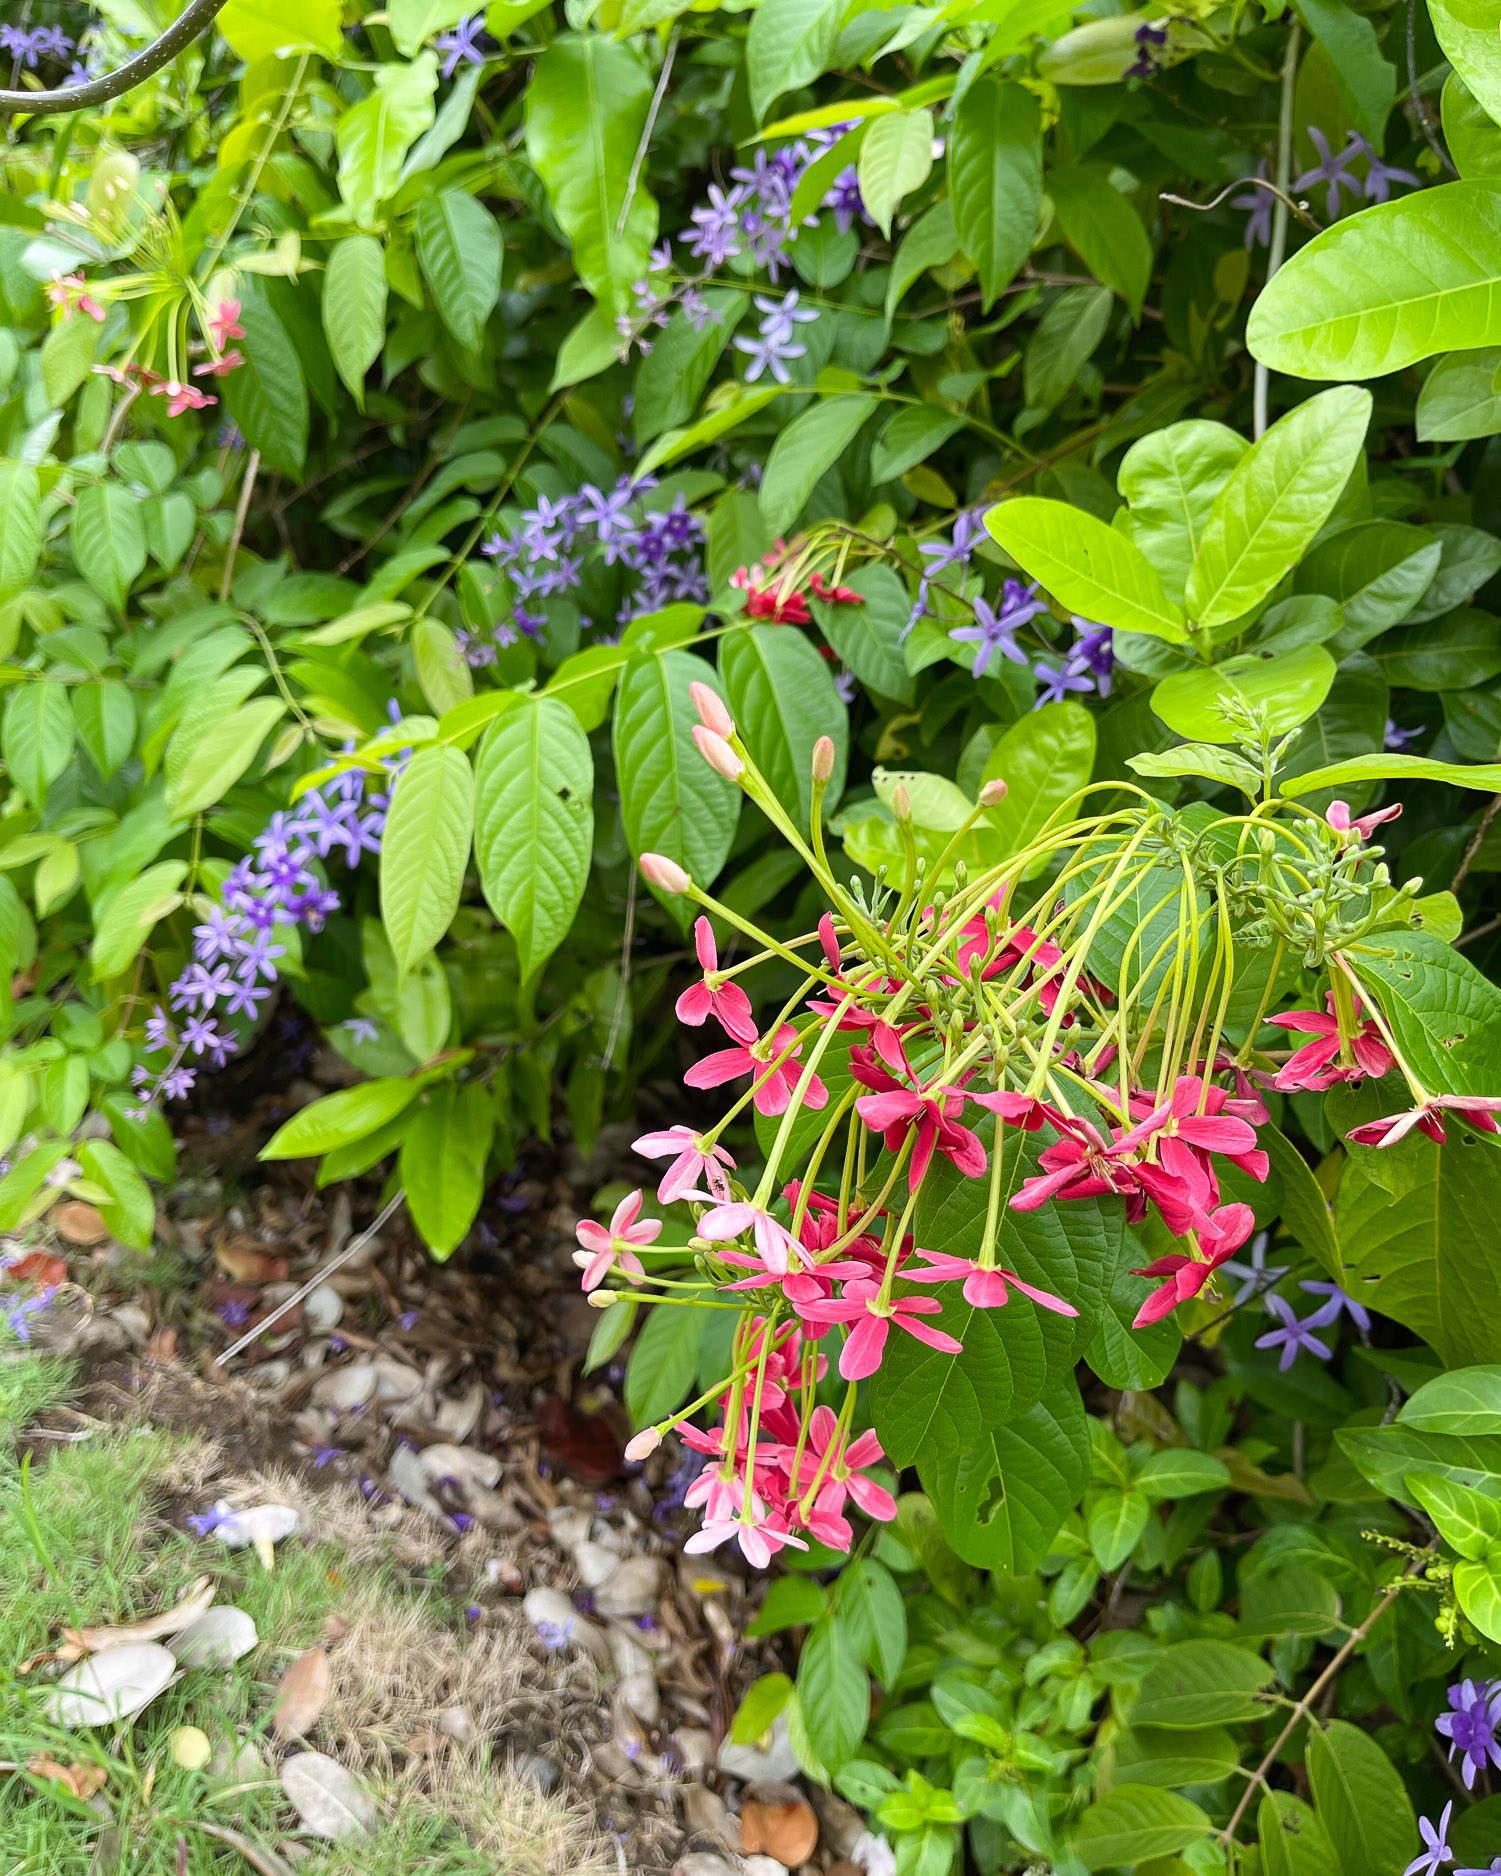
(340, 1119)
(1467, 32)
(1468, 1521)
(1103, 229)
(1472, 134)
(910, 437)
(1361, 1800)
(789, 43)
(1289, 686)
(1115, 1523)
(1088, 567)
(1002, 1496)
(1134, 1823)
(1461, 398)
(1365, 80)
(1170, 478)
(810, 444)
(267, 395)
(1292, 1839)
(832, 1691)
(442, 1164)
(1045, 759)
(270, 29)
(1465, 1403)
(1445, 1016)
(459, 248)
(424, 851)
(36, 737)
(375, 134)
(220, 757)
(663, 1363)
(354, 309)
(896, 155)
(995, 179)
(412, 21)
(671, 379)
(868, 636)
(123, 921)
(871, 1608)
(782, 697)
(1180, 1472)
(1376, 571)
(20, 527)
(1458, 652)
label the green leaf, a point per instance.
(1467, 1520)
(1288, 685)
(67, 354)
(1001, 1497)
(1292, 1839)
(1065, 339)
(1444, 1015)
(1127, 1357)
(1366, 83)
(424, 851)
(671, 378)
(931, 241)
(147, 1143)
(1276, 499)
(1468, 558)
(781, 694)
(459, 249)
(1134, 1823)
(709, 428)
(764, 1698)
(220, 757)
(1472, 134)
(129, 1210)
(896, 155)
(1377, 571)
(995, 179)
(1216, 765)
(809, 445)
(1044, 759)
(832, 1691)
(790, 1602)
(129, 914)
(1180, 1472)
(871, 1607)
(441, 668)
(340, 1119)
(1115, 1524)
(354, 309)
(910, 437)
(586, 109)
(1171, 479)
(37, 737)
(1466, 1402)
(1201, 1683)
(1467, 32)
(109, 542)
(266, 395)
(412, 21)
(1478, 1588)
(789, 43)
(1148, 1756)
(1088, 567)
(270, 29)
(1460, 652)
(534, 824)
(671, 801)
(374, 135)
(663, 1363)
(1305, 1210)
(20, 527)
(1384, 288)
(1361, 1800)
(867, 636)
(1103, 229)
(442, 1164)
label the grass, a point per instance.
(83, 1541)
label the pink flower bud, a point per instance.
(666, 875)
(717, 753)
(993, 793)
(901, 803)
(711, 711)
(644, 1444)
(823, 759)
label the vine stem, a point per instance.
(1302, 1709)
(242, 509)
(1278, 247)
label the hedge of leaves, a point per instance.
(885, 468)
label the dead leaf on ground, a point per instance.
(195, 1602)
(111, 1686)
(328, 1800)
(81, 1780)
(302, 1695)
(248, 1261)
(39, 1267)
(161, 1345)
(80, 1223)
(264, 1861)
(786, 1829)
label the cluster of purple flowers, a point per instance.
(1471, 1726)
(1333, 171)
(545, 556)
(1436, 1850)
(40, 42)
(234, 951)
(1295, 1336)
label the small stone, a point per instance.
(632, 1588)
(778, 1760)
(696, 1744)
(704, 1863)
(534, 1769)
(763, 1866)
(79, 1223)
(705, 1814)
(343, 1389)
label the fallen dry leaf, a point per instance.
(328, 1800)
(81, 1780)
(302, 1695)
(161, 1345)
(41, 1268)
(263, 1861)
(195, 1601)
(786, 1830)
(247, 1261)
(80, 1223)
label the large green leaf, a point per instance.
(782, 697)
(271, 29)
(1103, 229)
(442, 1163)
(534, 824)
(1444, 1014)
(671, 378)
(1485, 776)
(1201, 1683)
(789, 43)
(811, 443)
(995, 178)
(1170, 479)
(109, 542)
(1460, 652)
(219, 757)
(1276, 499)
(832, 1691)
(586, 108)
(20, 527)
(1466, 29)
(1460, 397)
(340, 1119)
(424, 851)
(1088, 567)
(1289, 686)
(1466, 1403)
(267, 395)
(375, 134)
(1361, 1800)
(122, 922)
(868, 636)
(663, 1363)
(1292, 1839)
(1044, 759)
(1376, 570)
(354, 309)
(37, 737)
(1133, 1824)
(459, 247)
(1387, 287)
(896, 156)
(1002, 1496)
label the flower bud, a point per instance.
(711, 711)
(644, 1444)
(823, 759)
(717, 753)
(993, 793)
(602, 1299)
(901, 802)
(666, 875)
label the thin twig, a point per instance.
(607, 1060)
(190, 24)
(648, 127)
(1480, 931)
(1414, 91)
(1300, 209)
(1278, 245)
(242, 508)
(334, 1263)
(1301, 1710)
(1476, 841)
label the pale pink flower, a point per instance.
(777, 1247)
(607, 1247)
(224, 323)
(983, 1288)
(181, 396)
(1340, 820)
(760, 1536)
(695, 1159)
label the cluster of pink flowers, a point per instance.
(772, 597)
(223, 324)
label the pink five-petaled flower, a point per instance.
(760, 1535)
(983, 1288)
(1340, 820)
(219, 367)
(693, 1160)
(69, 293)
(861, 1305)
(1478, 1109)
(1316, 1065)
(774, 1091)
(840, 1460)
(181, 396)
(712, 996)
(931, 1111)
(224, 323)
(606, 1247)
(1185, 1275)
(778, 1249)
(1026, 1111)
(1179, 1118)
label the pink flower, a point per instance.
(828, 938)
(713, 996)
(775, 1244)
(984, 1288)
(760, 1536)
(224, 323)
(1478, 1109)
(774, 1090)
(862, 1306)
(219, 367)
(695, 1161)
(931, 1111)
(606, 1247)
(69, 293)
(1316, 1065)
(1078, 1166)
(1023, 1110)
(1339, 819)
(183, 396)
(1179, 1118)
(1186, 1276)
(826, 1451)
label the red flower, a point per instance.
(984, 1288)
(836, 595)
(1478, 1109)
(781, 604)
(713, 996)
(862, 1306)
(1079, 1166)
(1316, 1065)
(1186, 1276)
(894, 1108)
(774, 1090)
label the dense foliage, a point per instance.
(823, 452)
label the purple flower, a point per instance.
(1259, 203)
(1399, 738)
(200, 1035)
(1333, 170)
(361, 1029)
(957, 550)
(1057, 683)
(994, 631)
(697, 310)
(845, 200)
(1147, 38)
(847, 685)
(459, 44)
(408, 1319)
(775, 345)
(1470, 1726)
(1380, 176)
(1338, 1301)
(321, 1455)
(18, 1314)
(554, 1635)
(1293, 1336)
(205, 1523)
(1436, 1846)
(159, 1032)
(716, 227)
